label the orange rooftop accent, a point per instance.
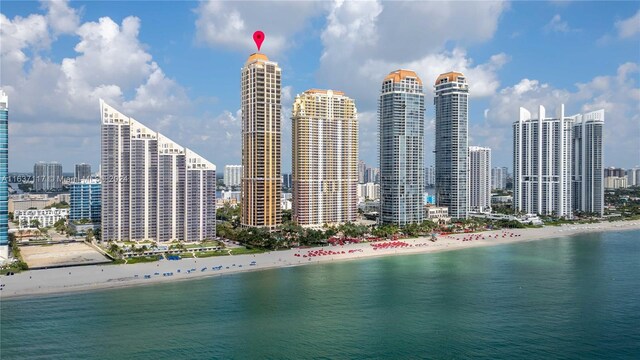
(450, 76)
(398, 75)
(321, 91)
(257, 56)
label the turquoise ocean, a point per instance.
(570, 298)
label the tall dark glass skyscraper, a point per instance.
(452, 102)
(4, 169)
(401, 129)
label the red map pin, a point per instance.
(258, 37)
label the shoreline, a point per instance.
(59, 281)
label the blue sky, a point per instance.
(175, 66)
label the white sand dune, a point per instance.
(92, 277)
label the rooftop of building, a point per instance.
(323, 91)
(257, 57)
(449, 76)
(401, 74)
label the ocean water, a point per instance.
(573, 298)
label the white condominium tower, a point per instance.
(499, 178)
(261, 180)
(152, 188)
(82, 172)
(452, 102)
(401, 138)
(588, 187)
(542, 163)
(232, 175)
(47, 176)
(479, 179)
(324, 158)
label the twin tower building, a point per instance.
(155, 189)
(325, 149)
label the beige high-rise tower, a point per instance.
(261, 187)
(324, 158)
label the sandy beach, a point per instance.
(93, 277)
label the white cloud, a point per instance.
(61, 18)
(158, 95)
(361, 44)
(15, 36)
(58, 100)
(617, 94)
(231, 24)
(556, 24)
(629, 27)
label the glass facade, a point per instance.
(85, 201)
(401, 145)
(451, 104)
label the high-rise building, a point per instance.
(430, 176)
(324, 158)
(287, 181)
(232, 175)
(368, 192)
(83, 172)
(633, 177)
(499, 177)
(152, 188)
(452, 102)
(479, 179)
(401, 135)
(615, 182)
(362, 168)
(614, 172)
(261, 182)
(588, 187)
(542, 163)
(47, 176)
(4, 172)
(86, 200)
(372, 175)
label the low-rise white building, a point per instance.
(368, 191)
(437, 214)
(232, 198)
(285, 203)
(524, 219)
(501, 199)
(45, 217)
(615, 182)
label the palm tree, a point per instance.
(89, 236)
(35, 223)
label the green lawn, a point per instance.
(143, 259)
(201, 245)
(241, 251)
(205, 254)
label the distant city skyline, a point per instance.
(166, 80)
